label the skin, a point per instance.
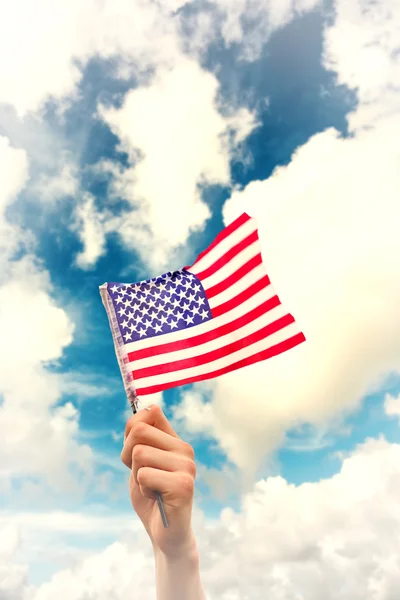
(160, 460)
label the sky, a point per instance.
(131, 133)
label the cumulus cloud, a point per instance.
(328, 228)
(178, 141)
(246, 23)
(34, 332)
(392, 406)
(62, 36)
(91, 228)
(286, 542)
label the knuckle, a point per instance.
(156, 409)
(186, 484)
(191, 468)
(138, 429)
(138, 452)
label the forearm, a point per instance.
(178, 578)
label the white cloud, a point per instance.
(91, 228)
(392, 406)
(33, 332)
(363, 49)
(173, 131)
(62, 184)
(328, 228)
(251, 23)
(287, 541)
(44, 46)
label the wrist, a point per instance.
(183, 552)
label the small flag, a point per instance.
(200, 322)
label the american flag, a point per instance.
(200, 322)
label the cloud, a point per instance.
(59, 49)
(363, 49)
(91, 228)
(286, 542)
(328, 228)
(392, 406)
(246, 23)
(34, 332)
(178, 141)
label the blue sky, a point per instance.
(299, 112)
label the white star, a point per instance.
(127, 336)
(204, 314)
(163, 320)
(118, 299)
(158, 328)
(196, 288)
(188, 319)
(126, 303)
(195, 310)
(131, 327)
(142, 333)
(169, 311)
(114, 289)
(200, 301)
(122, 311)
(125, 324)
(173, 325)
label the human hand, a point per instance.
(161, 461)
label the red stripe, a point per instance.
(203, 359)
(220, 287)
(228, 256)
(222, 235)
(240, 298)
(203, 338)
(260, 356)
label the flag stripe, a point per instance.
(229, 255)
(234, 277)
(238, 300)
(245, 362)
(222, 361)
(135, 349)
(238, 261)
(175, 350)
(219, 240)
(237, 288)
(251, 333)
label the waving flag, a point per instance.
(202, 321)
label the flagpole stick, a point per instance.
(158, 495)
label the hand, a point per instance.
(161, 461)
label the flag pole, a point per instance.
(160, 503)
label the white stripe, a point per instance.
(222, 248)
(220, 342)
(280, 336)
(238, 287)
(262, 296)
(232, 266)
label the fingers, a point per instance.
(155, 417)
(145, 456)
(177, 488)
(144, 432)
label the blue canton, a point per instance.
(171, 302)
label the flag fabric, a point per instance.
(200, 322)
